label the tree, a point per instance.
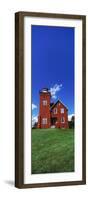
(35, 125)
(71, 123)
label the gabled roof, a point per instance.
(58, 101)
(51, 104)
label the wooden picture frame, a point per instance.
(19, 99)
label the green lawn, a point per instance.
(52, 150)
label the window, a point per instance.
(55, 110)
(44, 102)
(62, 110)
(62, 120)
(44, 121)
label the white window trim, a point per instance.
(44, 121)
(63, 120)
(62, 110)
(44, 102)
(55, 110)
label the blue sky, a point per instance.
(53, 64)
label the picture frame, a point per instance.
(20, 77)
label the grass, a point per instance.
(52, 150)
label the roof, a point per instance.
(45, 90)
(58, 101)
(51, 104)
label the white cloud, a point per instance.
(34, 119)
(33, 106)
(70, 116)
(53, 90)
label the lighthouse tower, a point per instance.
(44, 110)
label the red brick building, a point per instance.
(51, 114)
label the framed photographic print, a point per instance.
(50, 99)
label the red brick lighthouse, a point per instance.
(51, 114)
(44, 110)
